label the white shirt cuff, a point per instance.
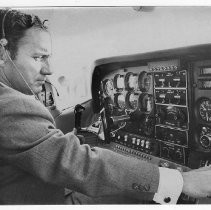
(170, 186)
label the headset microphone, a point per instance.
(53, 86)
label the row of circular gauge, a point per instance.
(130, 81)
(144, 102)
(133, 101)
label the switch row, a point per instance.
(164, 68)
(137, 141)
(130, 151)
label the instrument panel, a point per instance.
(147, 109)
(157, 106)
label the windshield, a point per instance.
(82, 35)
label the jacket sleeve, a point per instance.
(30, 141)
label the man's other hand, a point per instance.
(80, 137)
(197, 183)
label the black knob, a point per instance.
(178, 155)
(205, 141)
(167, 200)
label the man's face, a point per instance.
(32, 61)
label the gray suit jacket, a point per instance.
(37, 161)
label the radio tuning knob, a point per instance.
(112, 135)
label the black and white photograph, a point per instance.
(105, 105)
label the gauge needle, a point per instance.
(203, 107)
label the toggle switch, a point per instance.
(133, 140)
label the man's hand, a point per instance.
(197, 183)
(74, 131)
(80, 137)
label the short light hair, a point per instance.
(15, 25)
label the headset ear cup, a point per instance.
(3, 42)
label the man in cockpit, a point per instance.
(37, 161)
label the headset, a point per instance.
(3, 43)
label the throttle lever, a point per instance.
(78, 112)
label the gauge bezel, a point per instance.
(127, 77)
(117, 102)
(198, 104)
(142, 76)
(198, 136)
(128, 103)
(105, 91)
(142, 105)
(115, 82)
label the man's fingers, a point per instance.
(81, 138)
(74, 131)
